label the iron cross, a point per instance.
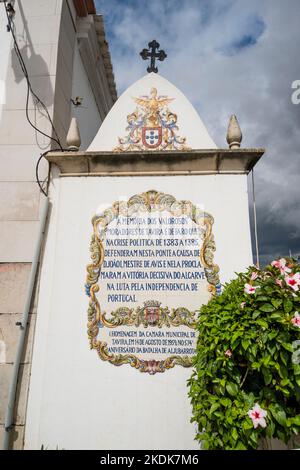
(153, 54)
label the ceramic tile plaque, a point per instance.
(152, 268)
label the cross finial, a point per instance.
(153, 54)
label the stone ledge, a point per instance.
(152, 163)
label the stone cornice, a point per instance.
(92, 58)
(152, 163)
(84, 7)
(95, 54)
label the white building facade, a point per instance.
(66, 55)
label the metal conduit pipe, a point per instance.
(255, 221)
(9, 416)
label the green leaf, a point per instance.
(269, 290)
(287, 305)
(253, 438)
(205, 444)
(256, 314)
(262, 298)
(267, 308)
(270, 428)
(296, 420)
(288, 347)
(276, 316)
(225, 402)
(235, 336)
(214, 407)
(282, 370)
(284, 382)
(266, 360)
(272, 348)
(232, 389)
(278, 413)
(247, 424)
(267, 375)
(245, 343)
(234, 434)
(284, 357)
(276, 302)
(296, 368)
(281, 436)
(273, 334)
(262, 323)
(240, 446)
(255, 365)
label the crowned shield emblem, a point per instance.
(152, 311)
(151, 137)
(152, 315)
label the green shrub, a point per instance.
(248, 357)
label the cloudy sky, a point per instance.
(228, 57)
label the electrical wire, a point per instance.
(11, 27)
(37, 170)
(43, 155)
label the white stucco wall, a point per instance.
(87, 114)
(37, 26)
(5, 41)
(76, 400)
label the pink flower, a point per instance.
(293, 281)
(254, 275)
(258, 415)
(281, 264)
(295, 320)
(279, 282)
(276, 264)
(242, 305)
(249, 289)
(228, 353)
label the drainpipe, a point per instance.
(9, 416)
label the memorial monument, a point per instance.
(144, 228)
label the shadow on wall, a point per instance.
(35, 64)
(42, 88)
